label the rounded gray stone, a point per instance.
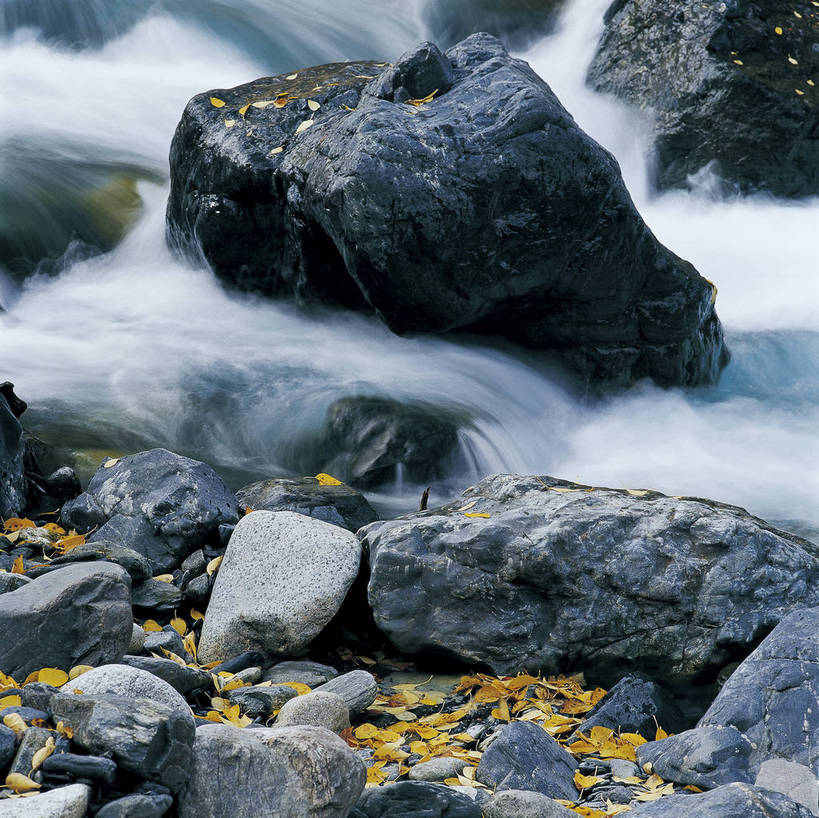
(437, 769)
(523, 804)
(123, 680)
(64, 802)
(358, 688)
(283, 577)
(137, 641)
(315, 709)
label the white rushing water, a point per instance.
(134, 348)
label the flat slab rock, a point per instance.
(537, 573)
(370, 203)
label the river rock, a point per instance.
(796, 781)
(257, 701)
(134, 682)
(340, 505)
(415, 799)
(728, 801)
(392, 207)
(157, 503)
(720, 84)
(64, 802)
(773, 696)
(312, 674)
(289, 772)
(523, 804)
(8, 746)
(11, 582)
(524, 756)
(365, 440)
(437, 769)
(138, 636)
(283, 578)
(317, 709)
(34, 739)
(184, 680)
(137, 806)
(133, 562)
(80, 614)
(68, 766)
(144, 737)
(156, 596)
(584, 577)
(358, 688)
(705, 757)
(12, 453)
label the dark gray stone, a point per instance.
(415, 74)
(260, 701)
(288, 772)
(309, 673)
(149, 739)
(137, 806)
(195, 563)
(11, 582)
(156, 502)
(773, 696)
(457, 242)
(634, 705)
(728, 801)
(81, 615)
(167, 639)
(415, 799)
(12, 452)
(185, 680)
(602, 578)
(70, 766)
(8, 746)
(523, 804)
(358, 688)
(706, 757)
(34, 739)
(37, 695)
(718, 86)
(27, 714)
(524, 756)
(197, 590)
(134, 563)
(240, 662)
(339, 505)
(157, 596)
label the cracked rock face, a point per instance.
(486, 208)
(539, 574)
(773, 696)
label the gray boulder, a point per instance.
(358, 688)
(184, 680)
(721, 85)
(437, 769)
(133, 682)
(157, 503)
(261, 701)
(144, 737)
(312, 674)
(283, 578)
(137, 566)
(12, 453)
(557, 575)
(415, 799)
(773, 696)
(339, 505)
(392, 207)
(523, 756)
(137, 806)
(523, 804)
(705, 757)
(64, 802)
(796, 781)
(288, 772)
(80, 614)
(728, 801)
(316, 709)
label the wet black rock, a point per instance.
(137, 806)
(393, 207)
(523, 756)
(149, 739)
(261, 701)
(186, 680)
(133, 562)
(579, 577)
(415, 799)
(79, 614)
(156, 596)
(773, 696)
(71, 766)
(155, 502)
(12, 451)
(722, 82)
(339, 505)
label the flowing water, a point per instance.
(133, 348)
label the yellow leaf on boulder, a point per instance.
(10, 701)
(112, 461)
(21, 783)
(168, 578)
(476, 514)
(328, 480)
(53, 676)
(17, 565)
(43, 753)
(14, 721)
(18, 523)
(178, 624)
(217, 103)
(213, 566)
(313, 105)
(583, 782)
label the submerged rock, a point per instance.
(157, 503)
(541, 574)
(350, 196)
(724, 83)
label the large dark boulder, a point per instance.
(723, 82)
(340, 505)
(80, 614)
(486, 208)
(157, 503)
(541, 574)
(773, 696)
(415, 799)
(12, 454)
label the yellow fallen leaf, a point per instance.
(17, 565)
(53, 528)
(327, 479)
(501, 712)
(229, 123)
(63, 730)
(422, 101)
(43, 753)
(178, 624)
(476, 514)
(639, 492)
(21, 783)
(778, 30)
(10, 701)
(213, 566)
(799, 91)
(276, 150)
(151, 626)
(65, 544)
(792, 61)
(739, 62)
(168, 578)
(217, 103)
(313, 105)
(14, 721)
(616, 809)
(53, 676)
(18, 523)
(299, 687)
(195, 615)
(291, 76)
(243, 109)
(583, 782)
(78, 670)
(660, 734)
(112, 461)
